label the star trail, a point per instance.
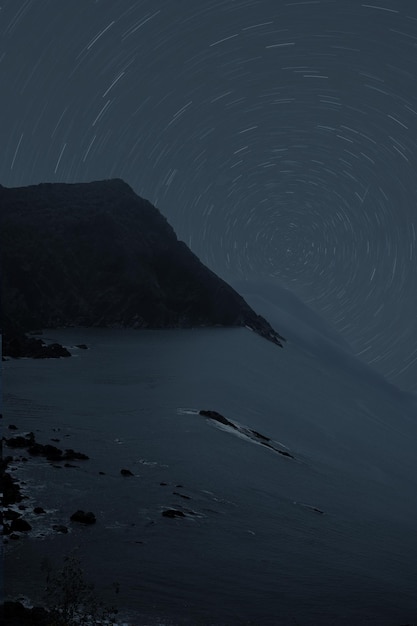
(279, 138)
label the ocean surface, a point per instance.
(327, 537)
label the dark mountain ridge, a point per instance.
(96, 254)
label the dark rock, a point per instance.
(139, 275)
(253, 435)
(217, 417)
(9, 514)
(70, 465)
(71, 455)
(15, 614)
(39, 510)
(260, 436)
(55, 440)
(126, 472)
(84, 518)
(284, 453)
(60, 528)
(14, 536)
(52, 453)
(172, 513)
(163, 484)
(11, 490)
(81, 346)
(12, 427)
(102, 473)
(16, 344)
(21, 441)
(20, 525)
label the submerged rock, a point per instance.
(217, 417)
(172, 513)
(248, 433)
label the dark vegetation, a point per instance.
(96, 254)
(70, 600)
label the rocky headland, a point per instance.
(96, 254)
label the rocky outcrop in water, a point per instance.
(248, 433)
(83, 517)
(16, 344)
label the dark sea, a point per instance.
(323, 535)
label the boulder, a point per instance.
(38, 510)
(20, 525)
(11, 515)
(11, 490)
(83, 517)
(21, 441)
(60, 528)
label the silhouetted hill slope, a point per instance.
(96, 254)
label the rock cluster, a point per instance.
(16, 345)
(12, 495)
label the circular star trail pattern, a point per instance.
(278, 137)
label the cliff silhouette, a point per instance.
(96, 254)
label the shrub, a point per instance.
(71, 599)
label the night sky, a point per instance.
(278, 137)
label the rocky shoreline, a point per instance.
(18, 344)
(13, 505)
